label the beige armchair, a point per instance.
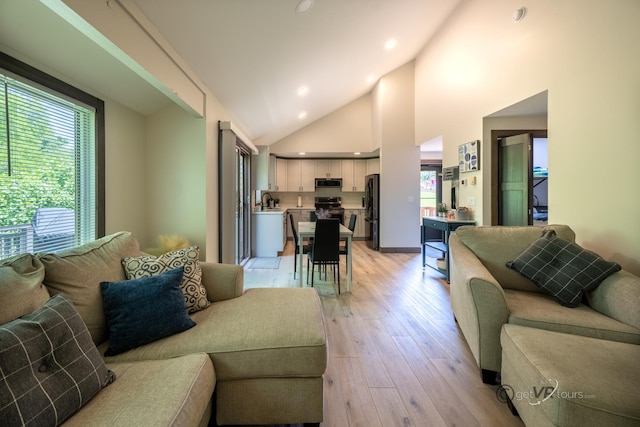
(486, 294)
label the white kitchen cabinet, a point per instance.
(280, 174)
(307, 175)
(262, 168)
(353, 173)
(300, 175)
(328, 168)
(373, 165)
(268, 234)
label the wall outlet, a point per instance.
(471, 201)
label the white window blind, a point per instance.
(47, 169)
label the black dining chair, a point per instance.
(306, 248)
(325, 249)
(352, 227)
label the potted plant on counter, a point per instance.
(442, 209)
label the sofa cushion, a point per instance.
(496, 245)
(169, 392)
(77, 272)
(562, 268)
(50, 366)
(252, 336)
(143, 310)
(541, 311)
(195, 294)
(568, 380)
(21, 288)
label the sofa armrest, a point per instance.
(618, 296)
(222, 281)
(479, 305)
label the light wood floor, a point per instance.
(396, 356)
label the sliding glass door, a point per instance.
(243, 209)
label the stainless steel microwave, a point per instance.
(329, 183)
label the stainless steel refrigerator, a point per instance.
(372, 210)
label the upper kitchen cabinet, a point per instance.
(279, 174)
(373, 165)
(328, 168)
(262, 170)
(300, 175)
(270, 172)
(353, 173)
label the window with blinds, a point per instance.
(48, 198)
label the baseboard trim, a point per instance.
(400, 250)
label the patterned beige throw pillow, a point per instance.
(195, 295)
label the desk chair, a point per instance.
(325, 249)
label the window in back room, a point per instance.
(430, 188)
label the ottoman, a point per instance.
(557, 379)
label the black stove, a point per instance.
(330, 205)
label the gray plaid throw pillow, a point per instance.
(562, 268)
(50, 366)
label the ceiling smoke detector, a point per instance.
(304, 6)
(518, 14)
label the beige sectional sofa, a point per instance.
(513, 327)
(263, 351)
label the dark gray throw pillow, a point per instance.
(50, 366)
(562, 268)
(140, 311)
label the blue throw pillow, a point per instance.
(143, 310)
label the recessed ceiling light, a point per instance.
(356, 153)
(303, 90)
(390, 44)
(302, 115)
(518, 14)
(302, 153)
(304, 6)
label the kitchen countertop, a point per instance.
(272, 211)
(312, 208)
(282, 209)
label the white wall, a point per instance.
(345, 130)
(399, 161)
(176, 162)
(583, 53)
(125, 171)
(174, 175)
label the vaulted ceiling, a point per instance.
(256, 55)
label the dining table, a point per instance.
(307, 230)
